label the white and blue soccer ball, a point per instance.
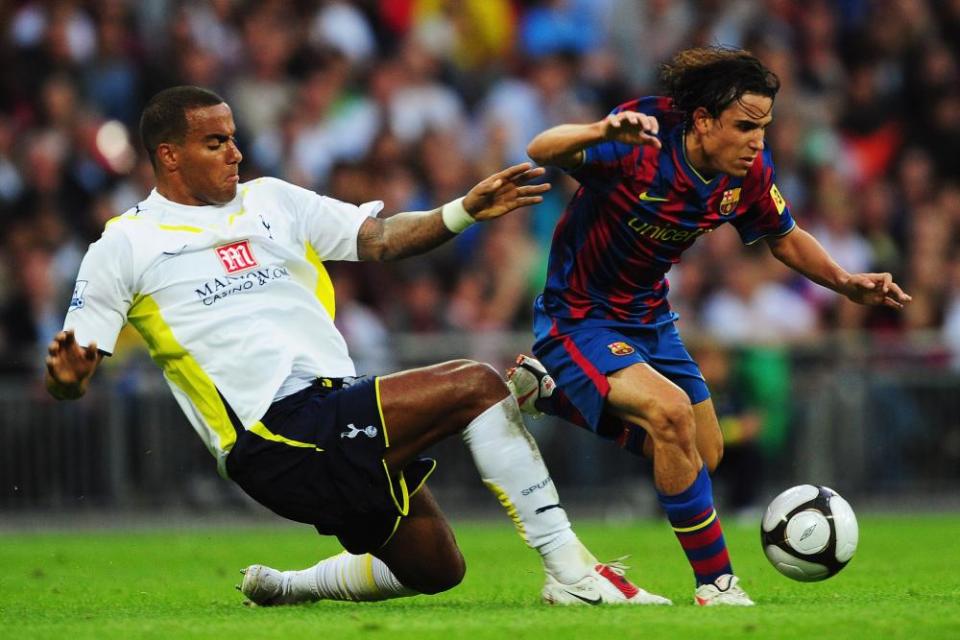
(809, 533)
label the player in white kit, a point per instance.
(226, 284)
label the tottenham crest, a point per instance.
(729, 201)
(620, 348)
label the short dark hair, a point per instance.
(164, 119)
(714, 78)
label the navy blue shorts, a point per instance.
(317, 457)
(580, 354)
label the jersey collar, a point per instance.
(191, 209)
(695, 176)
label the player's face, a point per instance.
(209, 160)
(733, 141)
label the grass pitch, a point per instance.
(904, 582)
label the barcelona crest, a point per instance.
(620, 348)
(729, 201)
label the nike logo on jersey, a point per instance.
(369, 431)
(647, 198)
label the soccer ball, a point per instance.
(809, 533)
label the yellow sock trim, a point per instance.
(368, 572)
(697, 527)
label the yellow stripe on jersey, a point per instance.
(243, 210)
(696, 527)
(180, 227)
(181, 368)
(324, 286)
(163, 227)
(261, 430)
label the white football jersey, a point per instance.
(232, 300)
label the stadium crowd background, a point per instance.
(413, 101)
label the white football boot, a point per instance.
(725, 590)
(605, 584)
(266, 587)
(530, 383)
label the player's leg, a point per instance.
(418, 408)
(421, 557)
(423, 406)
(535, 389)
(643, 397)
(423, 554)
(709, 437)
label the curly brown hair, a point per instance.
(714, 78)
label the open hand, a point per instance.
(505, 191)
(69, 366)
(875, 289)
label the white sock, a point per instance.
(345, 577)
(510, 464)
(570, 562)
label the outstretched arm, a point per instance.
(563, 145)
(70, 366)
(801, 252)
(414, 232)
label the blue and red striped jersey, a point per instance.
(636, 211)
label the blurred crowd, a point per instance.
(413, 101)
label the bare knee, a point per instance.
(671, 422)
(438, 574)
(476, 384)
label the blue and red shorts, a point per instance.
(580, 354)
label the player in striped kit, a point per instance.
(655, 175)
(225, 282)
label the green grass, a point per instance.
(904, 582)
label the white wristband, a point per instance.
(455, 216)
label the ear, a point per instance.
(167, 156)
(702, 120)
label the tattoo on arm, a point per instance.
(404, 234)
(370, 240)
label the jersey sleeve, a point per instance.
(102, 294)
(329, 225)
(608, 162)
(767, 214)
